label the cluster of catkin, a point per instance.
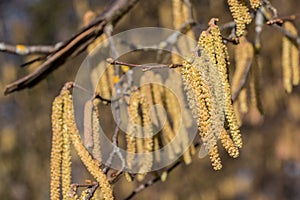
(241, 14)
(181, 14)
(209, 95)
(245, 84)
(290, 59)
(150, 129)
(64, 132)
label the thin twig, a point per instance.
(23, 50)
(144, 67)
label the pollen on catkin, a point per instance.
(180, 12)
(177, 112)
(103, 85)
(134, 144)
(228, 144)
(66, 153)
(255, 3)
(56, 149)
(212, 43)
(87, 124)
(148, 139)
(241, 15)
(244, 54)
(86, 158)
(290, 59)
(167, 131)
(215, 158)
(96, 130)
(254, 85)
(200, 103)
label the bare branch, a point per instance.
(23, 50)
(86, 36)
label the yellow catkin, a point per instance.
(244, 54)
(103, 86)
(200, 103)
(87, 124)
(96, 42)
(255, 3)
(215, 158)
(290, 59)
(86, 158)
(180, 16)
(136, 118)
(178, 19)
(148, 139)
(56, 149)
(241, 15)
(133, 144)
(84, 194)
(254, 86)
(213, 45)
(228, 144)
(238, 114)
(97, 195)
(176, 113)
(128, 177)
(156, 148)
(66, 153)
(146, 89)
(242, 100)
(167, 131)
(96, 130)
(111, 74)
(286, 65)
(295, 65)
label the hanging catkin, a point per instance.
(66, 153)
(255, 3)
(86, 158)
(56, 149)
(213, 45)
(241, 15)
(290, 59)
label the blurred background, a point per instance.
(269, 164)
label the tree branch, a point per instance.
(111, 15)
(23, 50)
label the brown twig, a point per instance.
(112, 14)
(23, 50)
(144, 67)
(281, 20)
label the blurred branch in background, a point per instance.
(111, 15)
(24, 50)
